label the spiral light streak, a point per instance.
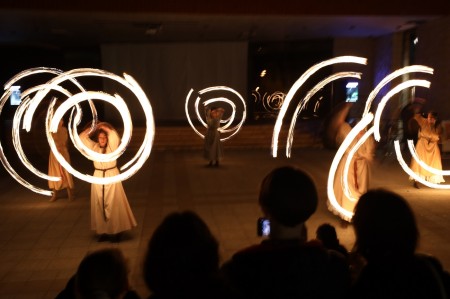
(256, 96)
(121, 107)
(411, 173)
(423, 164)
(18, 145)
(28, 107)
(8, 166)
(390, 77)
(392, 92)
(337, 158)
(227, 121)
(351, 153)
(144, 151)
(304, 102)
(298, 84)
(51, 85)
(15, 129)
(79, 145)
(224, 129)
(317, 105)
(277, 97)
(29, 72)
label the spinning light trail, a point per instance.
(298, 84)
(343, 213)
(270, 102)
(227, 122)
(304, 102)
(375, 129)
(29, 105)
(411, 173)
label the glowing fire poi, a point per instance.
(366, 120)
(227, 122)
(303, 102)
(375, 130)
(33, 96)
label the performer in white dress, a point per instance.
(427, 149)
(358, 173)
(110, 211)
(55, 169)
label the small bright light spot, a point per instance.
(416, 41)
(263, 73)
(257, 88)
(351, 85)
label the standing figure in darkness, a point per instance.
(427, 149)
(409, 122)
(213, 150)
(55, 169)
(110, 211)
(358, 173)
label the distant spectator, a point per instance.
(387, 236)
(103, 274)
(326, 233)
(182, 260)
(286, 265)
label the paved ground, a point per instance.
(42, 243)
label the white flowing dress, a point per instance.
(427, 149)
(110, 210)
(358, 173)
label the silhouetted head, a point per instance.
(103, 272)
(288, 195)
(384, 225)
(181, 253)
(327, 234)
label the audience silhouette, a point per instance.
(326, 233)
(286, 265)
(182, 260)
(102, 274)
(387, 237)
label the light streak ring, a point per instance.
(53, 119)
(363, 123)
(144, 151)
(410, 172)
(392, 76)
(298, 84)
(303, 102)
(387, 97)
(225, 128)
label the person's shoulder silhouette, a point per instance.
(286, 265)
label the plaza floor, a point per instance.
(42, 242)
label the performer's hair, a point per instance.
(433, 113)
(97, 133)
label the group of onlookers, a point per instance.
(182, 259)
